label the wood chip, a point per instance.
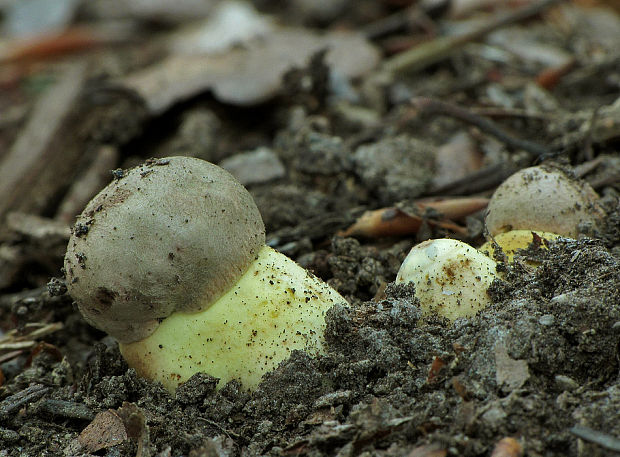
(507, 447)
(112, 427)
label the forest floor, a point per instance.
(322, 120)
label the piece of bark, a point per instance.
(70, 118)
(42, 157)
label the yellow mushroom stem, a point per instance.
(274, 308)
(510, 242)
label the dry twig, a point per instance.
(593, 436)
(434, 106)
(434, 51)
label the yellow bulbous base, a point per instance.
(275, 308)
(512, 241)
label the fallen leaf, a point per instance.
(509, 373)
(106, 430)
(231, 23)
(112, 427)
(249, 75)
(507, 447)
(456, 159)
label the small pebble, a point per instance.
(494, 416)
(565, 383)
(254, 167)
(547, 320)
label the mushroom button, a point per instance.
(450, 277)
(173, 264)
(545, 199)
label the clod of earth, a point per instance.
(174, 266)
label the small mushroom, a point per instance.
(544, 199)
(450, 277)
(170, 260)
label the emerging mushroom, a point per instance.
(544, 199)
(170, 259)
(450, 277)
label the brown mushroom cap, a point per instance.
(545, 199)
(170, 235)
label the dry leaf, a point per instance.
(509, 372)
(232, 23)
(250, 75)
(507, 447)
(106, 430)
(433, 372)
(455, 159)
(112, 427)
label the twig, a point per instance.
(588, 140)
(404, 19)
(13, 402)
(92, 180)
(434, 51)
(394, 22)
(498, 111)
(602, 439)
(434, 106)
(65, 409)
(228, 432)
(481, 180)
(587, 167)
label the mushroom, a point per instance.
(544, 199)
(170, 259)
(450, 277)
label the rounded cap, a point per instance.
(171, 235)
(545, 199)
(451, 278)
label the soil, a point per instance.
(541, 365)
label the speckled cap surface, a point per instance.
(542, 198)
(170, 235)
